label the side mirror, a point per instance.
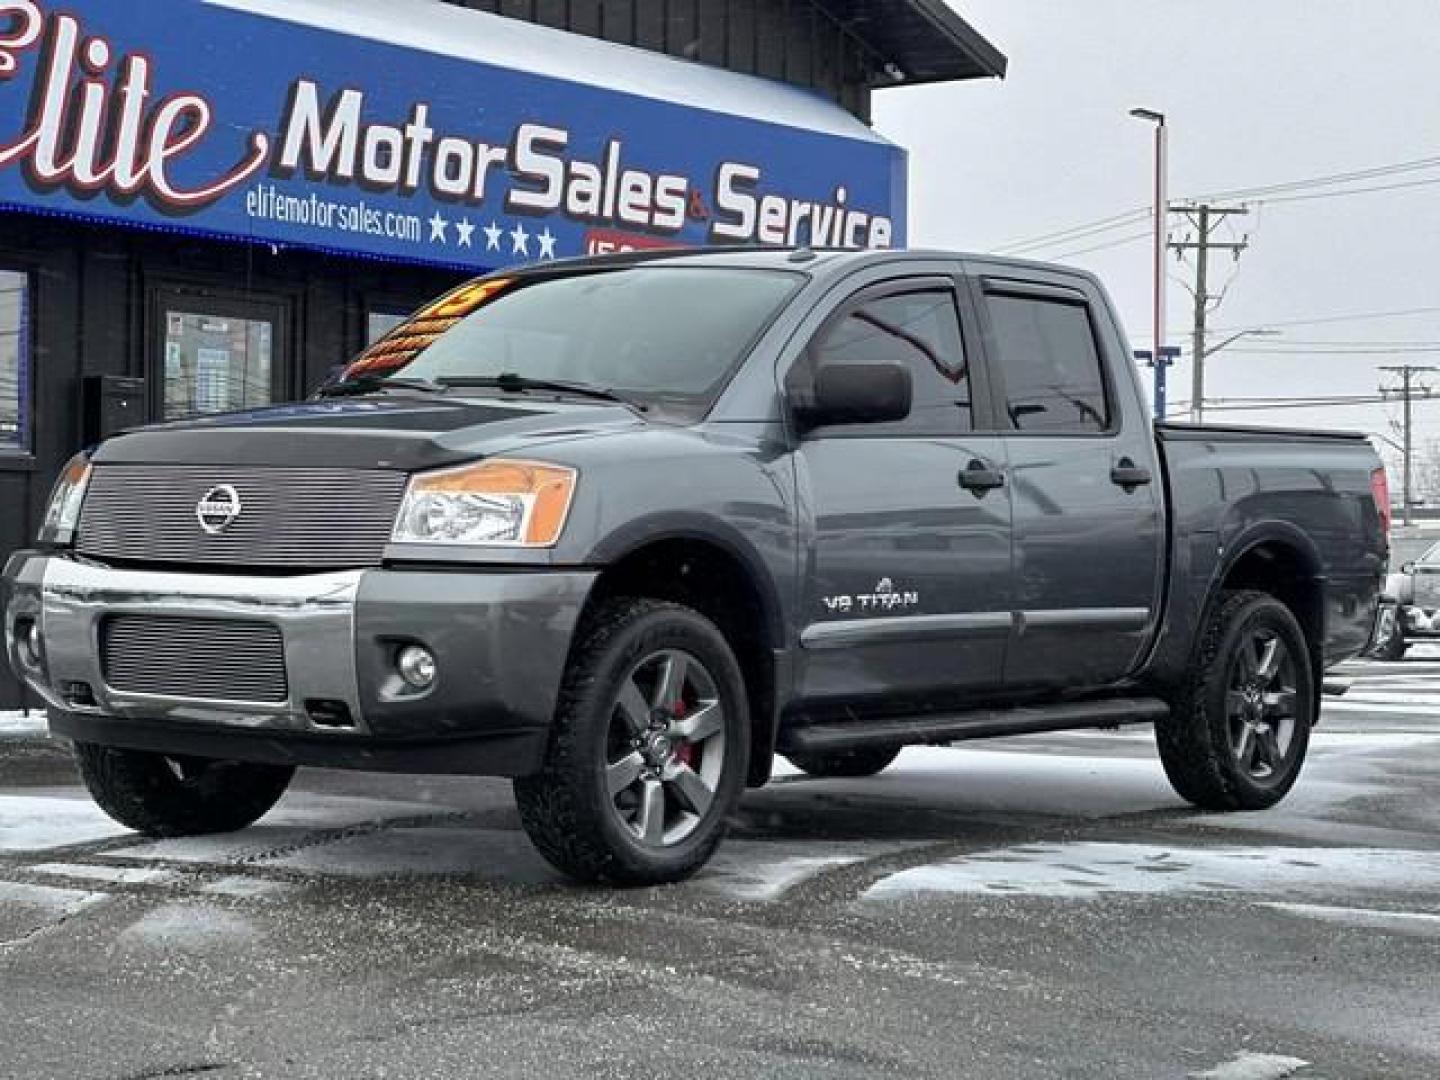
(858, 394)
(1407, 568)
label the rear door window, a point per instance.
(1048, 363)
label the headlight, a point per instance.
(63, 513)
(495, 503)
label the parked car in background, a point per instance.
(1414, 594)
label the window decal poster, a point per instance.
(192, 116)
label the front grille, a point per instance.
(209, 659)
(289, 517)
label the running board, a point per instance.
(976, 724)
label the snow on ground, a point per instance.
(189, 927)
(1416, 922)
(42, 820)
(22, 725)
(1248, 1065)
(1088, 869)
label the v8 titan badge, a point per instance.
(218, 508)
(885, 597)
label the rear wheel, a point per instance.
(862, 761)
(648, 751)
(175, 795)
(1236, 737)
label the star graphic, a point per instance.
(519, 241)
(492, 233)
(438, 225)
(547, 244)
(463, 232)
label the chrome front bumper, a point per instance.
(500, 640)
(69, 599)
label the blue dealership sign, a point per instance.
(208, 118)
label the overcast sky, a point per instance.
(1256, 93)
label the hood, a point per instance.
(396, 431)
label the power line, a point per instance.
(1339, 194)
(1286, 350)
(1413, 165)
(1100, 247)
(1360, 316)
(1064, 236)
(1251, 194)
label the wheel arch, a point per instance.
(1279, 559)
(709, 566)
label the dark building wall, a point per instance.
(791, 40)
(94, 307)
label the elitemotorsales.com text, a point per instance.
(331, 142)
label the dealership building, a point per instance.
(210, 204)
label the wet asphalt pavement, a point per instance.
(1039, 907)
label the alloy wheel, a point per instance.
(665, 748)
(1260, 703)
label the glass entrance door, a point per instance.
(217, 354)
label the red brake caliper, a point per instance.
(685, 752)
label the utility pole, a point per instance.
(1407, 393)
(1205, 218)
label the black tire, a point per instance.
(861, 761)
(1203, 743)
(172, 795)
(568, 808)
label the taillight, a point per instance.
(1380, 492)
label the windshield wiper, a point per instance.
(369, 384)
(513, 382)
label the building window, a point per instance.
(216, 363)
(380, 321)
(15, 399)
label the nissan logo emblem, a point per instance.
(218, 508)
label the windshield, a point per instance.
(665, 336)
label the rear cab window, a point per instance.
(1047, 362)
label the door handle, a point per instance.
(1128, 475)
(980, 478)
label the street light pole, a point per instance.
(1161, 149)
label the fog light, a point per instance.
(32, 646)
(417, 666)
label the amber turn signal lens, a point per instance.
(495, 503)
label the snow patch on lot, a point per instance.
(189, 928)
(18, 725)
(116, 875)
(39, 822)
(1250, 1066)
(1089, 869)
(1421, 922)
(45, 899)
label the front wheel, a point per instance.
(1237, 735)
(648, 751)
(175, 795)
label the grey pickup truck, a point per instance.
(624, 529)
